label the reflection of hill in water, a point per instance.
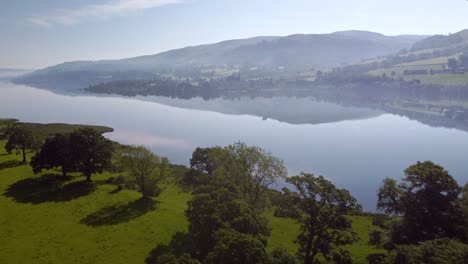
(322, 106)
(309, 110)
(284, 109)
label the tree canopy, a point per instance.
(323, 221)
(146, 168)
(91, 150)
(248, 170)
(213, 209)
(428, 200)
(56, 152)
(20, 139)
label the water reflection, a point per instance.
(353, 146)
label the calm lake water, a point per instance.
(354, 147)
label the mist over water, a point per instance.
(355, 147)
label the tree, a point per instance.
(233, 247)
(464, 205)
(261, 169)
(452, 64)
(280, 255)
(427, 200)
(204, 163)
(21, 139)
(146, 168)
(463, 60)
(212, 209)
(55, 152)
(248, 170)
(324, 226)
(92, 152)
(439, 251)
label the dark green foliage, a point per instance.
(225, 214)
(439, 251)
(212, 209)
(427, 199)
(464, 205)
(92, 152)
(259, 170)
(380, 220)
(20, 139)
(286, 206)
(56, 152)
(341, 256)
(376, 258)
(280, 255)
(378, 237)
(324, 226)
(233, 247)
(248, 171)
(176, 252)
(146, 169)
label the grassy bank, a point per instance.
(48, 219)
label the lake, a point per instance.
(355, 147)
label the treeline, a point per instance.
(424, 219)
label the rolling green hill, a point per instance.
(290, 53)
(440, 49)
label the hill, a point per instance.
(290, 53)
(428, 61)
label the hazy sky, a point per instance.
(38, 33)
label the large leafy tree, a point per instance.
(91, 150)
(56, 152)
(20, 139)
(427, 199)
(212, 209)
(251, 170)
(261, 169)
(146, 168)
(323, 225)
(234, 247)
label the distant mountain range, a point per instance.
(7, 74)
(291, 53)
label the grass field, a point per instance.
(45, 219)
(44, 130)
(434, 63)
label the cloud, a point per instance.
(97, 11)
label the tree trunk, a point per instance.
(64, 172)
(24, 153)
(308, 258)
(88, 177)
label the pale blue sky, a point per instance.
(37, 33)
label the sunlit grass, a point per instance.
(53, 230)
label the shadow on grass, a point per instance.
(47, 188)
(10, 164)
(120, 213)
(179, 245)
(116, 190)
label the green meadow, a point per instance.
(47, 219)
